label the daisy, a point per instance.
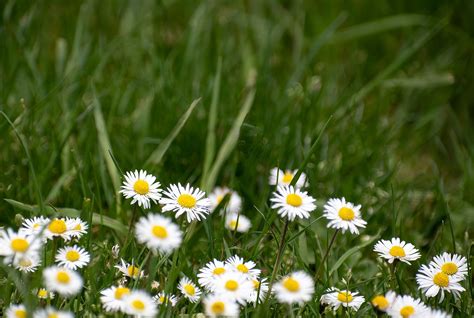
(139, 303)
(57, 228)
(186, 200)
(433, 281)
(217, 305)
(189, 290)
(158, 233)
(27, 263)
(278, 177)
(407, 307)
(235, 286)
(76, 227)
(34, 226)
(248, 269)
(42, 293)
(382, 302)
(292, 202)
(141, 187)
(62, 280)
(297, 287)
(260, 290)
(237, 222)
(234, 205)
(50, 312)
(16, 311)
(435, 313)
(129, 270)
(72, 257)
(335, 298)
(112, 298)
(451, 264)
(397, 250)
(163, 298)
(343, 215)
(210, 272)
(17, 245)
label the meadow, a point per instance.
(370, 101)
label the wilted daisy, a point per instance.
(234, 285)
(284, 178)
(396, 249)
(260, 290)
(129, 270)
(34, 226)
(382, 302)
(292, 202)
(433, 281)
(76, 227)
(247, 268)
(208, 274)
(16, 245)
(335, 298)
(50, 312)
(343, 215)
(297, 287)
(141, 187)
(164, 299)
(112, 298)
(406, 307)
(234, 205)
(27, 263)
(237, 222)
(217, 305)
(57, 228)
(158, 233)
(16, 311)
(451, 264)
(187, 200)
(139, 303)
(42, 293)
(62, 280)
(189, 290)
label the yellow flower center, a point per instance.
(397, 251)
(347, 214)
(78, 227)
(219, 198)
(120, 292)
(133, 271)
(141, 187)
(407, 311)
(63, 277)
(291, 284)
(57, 226)
(19, 245)
(441, 279)
(256, 284)
(218, 271)
(449, 268)
(138, 304)
(72, 256)
(231, 285)
(242, 268)
(294, 200)
(344, 297)
(187, 201)
(42, 293)
(380, 302)
(189, 289)
(160, 231)
(233, 224)
(20, 313)
(53, 316)
(218, 307)
(25, 262)
(287, 177)
(36, 225)
(162, 299)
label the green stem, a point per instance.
(278, 259)
(316, 276)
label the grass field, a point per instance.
(372, 100)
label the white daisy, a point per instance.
(72, 257)
(112, 298)
(435, 313)
(407, 307)
(451, 264)
(165, 299)
(432, 281)
(27, 263)
(382, 302)
(50, 312)
(217, 305)
(57, 228)
(62, 280)
(76, 228)
(234, 205)
(34, 226)
(397, 249)
(16, 311)
(278, 177)
(15, 245)
(247, 268)
(158, 233)
(189, 290)
(42, 293)
(297, 287)
(335, 298)
(260, 290)
(343, 215)
(208, 274)
(139, 303)
(235, 286)
(237, 222)
(129, 270)
(292, 202)
(141, 187)
(186, 200)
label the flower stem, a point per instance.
(316, 276)
(278, 259)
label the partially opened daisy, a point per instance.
(451, 264)
(297, 287)
(15, 245)
(129, 270)
(139, 303)
(208, 274)
(383, 303)
(284, 178)
(235, 286)
(234, 205)
(407, 307)
(336, 298)
(62, 280)
(217, 305)
(141, 188)
(50, 312)
(189, 290)
(186, 200)
(57, 228)
(165, 299)
(260, 290)
(432, 280)
(396, 249)
(343, 215)
(72, 257)
(247, 268)
(27, 263)
(292, 202)
(76, 227)
(112, 298)
(158, 233)
(34, 226)
(16, 311)
(237, 222)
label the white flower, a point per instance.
(397, 249)
(235, 286)
(407, 307)
(141, 187)
(62, 280)
(27, 263)
(16, 311)
(217, 305)
(278, 177)
(17, 245)
(343, 215)
(432, 281)
(112, 298)
(129, 270)
(237, 222)
(34, 226)
(260, 290)
(292, 202)
(50, 312)
(186, 200)
(234, 205)
(57, 228)
(42, 293)
(158, 233)
(247, 268)
(451, 264)
(336, 298)
(165, 299)
(382, 302)
(435, 313)
(208, 274)
(72, 257)
(139, 303)
(76, 227)
(189, 290)
(297, 287)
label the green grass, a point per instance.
(218, 93)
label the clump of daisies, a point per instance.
(343, 215)
(186, 200)
(141, 187)
(283, 178)
(397, 250)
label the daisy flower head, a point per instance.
(72, 257)
(336, 298)
(217, 305)
(396, 249)
(432, 281)
(210, 272)
(186, 200)
(284, 178)
(246, 268)
(165, 299)
(112, 298)
(76, 227)
(237, 222)
(291, 202)
(343, 215)
(407, 307)
(234, 205)
(383, 303)
(158, 233)
(62, 280)
(189, 290)
(235, 286)
(42, 293)
(260, 290)
(139, 303)
(34, 226)
(15, 245)
(129, 270)
(141, 188)
(16, 311)
(297, 287)
(27, 263)
(451, 264)
(57, 228)
(50, 312)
